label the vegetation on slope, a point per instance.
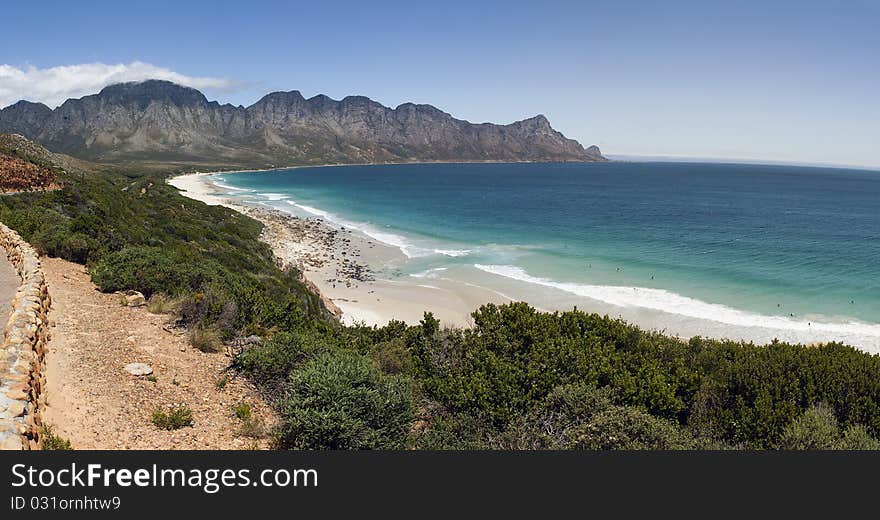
(141, 234)
(519, 379)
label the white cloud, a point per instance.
(54, 85)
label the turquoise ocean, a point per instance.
(778, 247)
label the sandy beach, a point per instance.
(354, 274)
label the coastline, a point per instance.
(328, 255)
(395, 163)
(352, 273)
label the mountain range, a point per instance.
(159, 121)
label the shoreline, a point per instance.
(452, 299)
(398, 163)
(351, 273)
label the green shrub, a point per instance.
(149, 270)
(628, 428)
(459, 431)
(174, 418)
(242, 411)
(549, 425)
(392, 357)
(751, 394)
(856, 437)
(271, 363)
(251, 425)
(341, 401)
(51, 441)
(816, 429)
(515, 355)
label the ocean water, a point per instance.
(793, 249)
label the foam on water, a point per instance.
(273, 196)
(230, 188)
(670, 302)
(406, 246)
(391, 239)
(453, 252)
(429, 273)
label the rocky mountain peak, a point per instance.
(144, 92)
(160, 121)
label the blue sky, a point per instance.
(794, 81)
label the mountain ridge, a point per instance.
(160, 121)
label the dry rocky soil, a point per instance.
(96, 404)
(17, 175)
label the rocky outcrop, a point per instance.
(161, 121)
(24, 347)
(17, 175)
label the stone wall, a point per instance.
(24, 347)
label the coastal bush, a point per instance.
(392, 357)
(143, 235)
(749, 394)
(552, 422)
(725, 393)
(339, 400)
(242, 411)
(172, 418)
(628, 428)
(818, 429)
(461, 431)
(271, 363)
(52, 441)
(856, 437)
(149, 270)
(202, 305)
(251, 425)
(515, 355)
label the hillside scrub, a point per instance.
(518, 379)
(140, 234)
(340, 400)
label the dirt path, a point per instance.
(95, 404)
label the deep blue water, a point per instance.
(768, 239)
